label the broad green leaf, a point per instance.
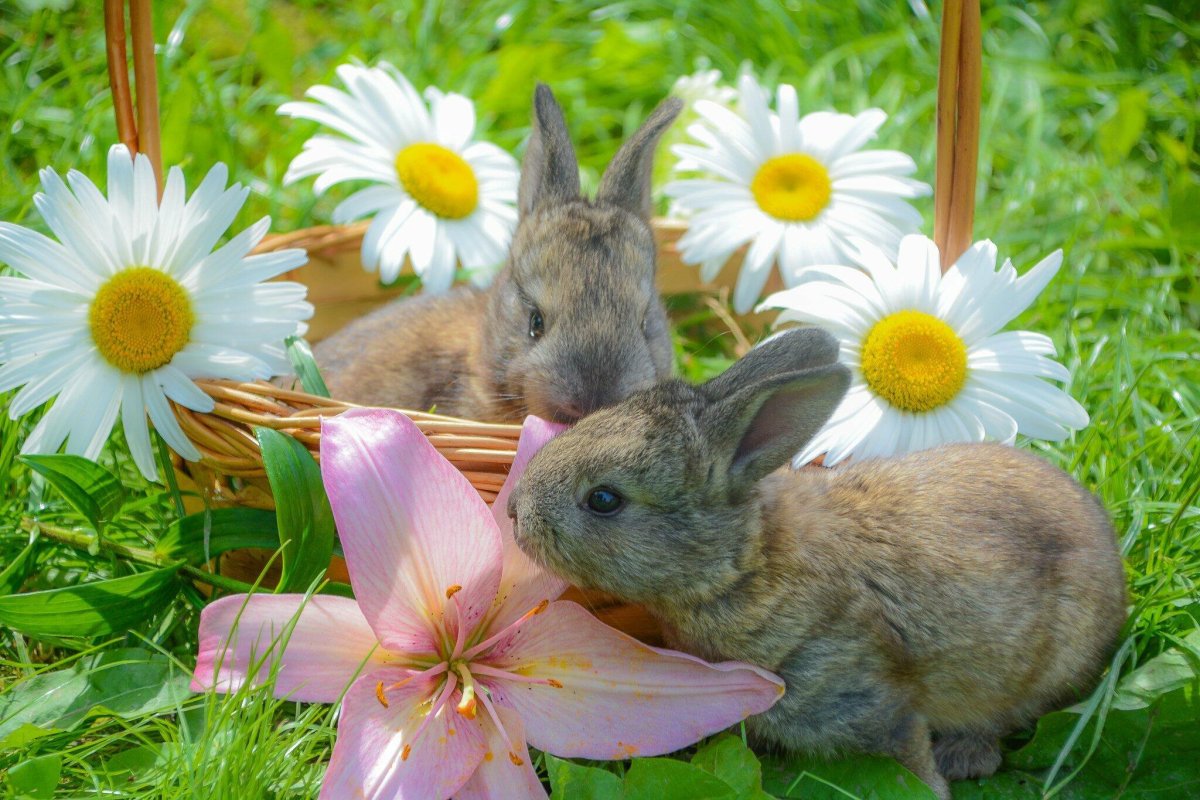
(302, 509)
(1120, 132)
(22, 735)
(867, 777)
(731, 760)
(91, 490)
(300, 354)
(227, 529)
(12, 576)
(668, 779)
(570, 781)
(35, 778)
(136, 762)
(124, 682)
(98, 608)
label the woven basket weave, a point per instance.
(231, 472)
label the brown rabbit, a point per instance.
(571, 324)
(918, 607)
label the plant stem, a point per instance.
(140, 555)
(88, 542)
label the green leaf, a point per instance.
(302, 509)
(1120, 132)
(727, 757)
(1150, 740)
(91, 490)
(23, 734)
(570, 781)
(300, 354)
(35, 777)
(137, 762)
(867, 777)
(124, 682)
(98, 608)
(226, 529)
(668, 779)
(12, 576)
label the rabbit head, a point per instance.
(655, 497)
(574, 321)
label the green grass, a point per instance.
(1089, 143)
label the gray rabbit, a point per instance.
(918, 606)
(572, 323)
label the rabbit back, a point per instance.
(983, 583)
(414, 353)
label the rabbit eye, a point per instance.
(536, 325)
(603, 500)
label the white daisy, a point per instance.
(132, 303)
(439, 197)
(929, 363)
(794, 188)
(700, 86)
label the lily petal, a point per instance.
(523, 584)
(499, 777)
(321, 645)
(619, 698)
(376, 756)
(412, 527)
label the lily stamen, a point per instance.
(447, 690)
(432, 672)
(491, 710)
(491, 640)
(460, 636)
(496, 672)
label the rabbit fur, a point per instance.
(919, 606)
(587, 268)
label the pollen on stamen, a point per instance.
(468, 707)
(404, 753)
(453, 590)
(516, 759)
(541, 607)
(379, 695)
(488, 756)
(554, 683)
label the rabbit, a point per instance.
(918, 607)
(572, 323)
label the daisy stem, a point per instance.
(84, 541)
(168, 469)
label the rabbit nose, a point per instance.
(511, 506)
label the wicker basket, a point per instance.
(231, 472)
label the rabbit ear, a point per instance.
(757, 429)
(790, 351)
(549, 172)
(626, 182)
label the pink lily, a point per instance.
(461, 652)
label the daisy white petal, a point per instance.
(132, 304)
(804, 181)
(923, 372)
(428, 173)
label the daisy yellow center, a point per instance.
(140, 319)
(439, 179)
(914, 360)
(794, 187)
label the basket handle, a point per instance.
(142, 135)
(958, 98)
